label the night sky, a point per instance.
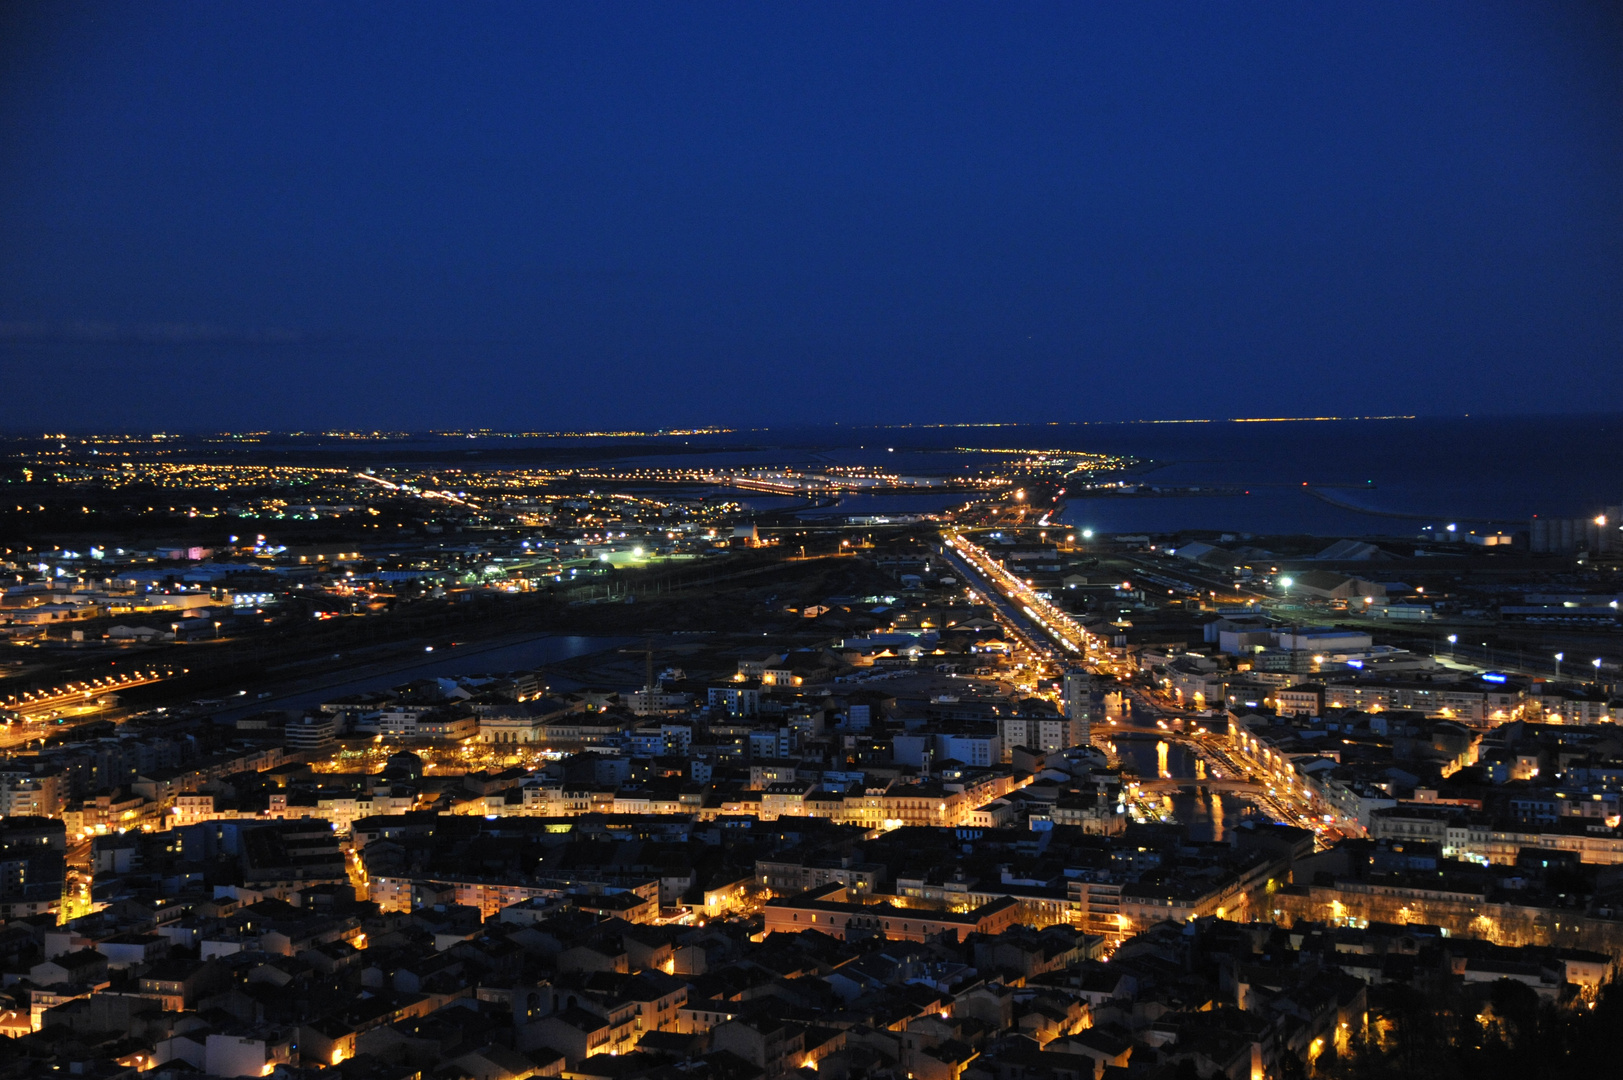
(555, 215)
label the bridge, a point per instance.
(1190, 783)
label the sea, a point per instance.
(1389, 477)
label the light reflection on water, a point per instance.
(1209, 817)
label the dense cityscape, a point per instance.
(940, 540)
(342, 756)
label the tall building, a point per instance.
(1050, 734)
(25, 793)
(313, 733)
(1079, 703)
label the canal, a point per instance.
(1208, 817)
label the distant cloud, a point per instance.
(100, 333)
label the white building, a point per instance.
(24, 793)
(247, 1055)
(738, 698)
(509, 728)
(1047, 733)
(1079, 700)
(311, 733)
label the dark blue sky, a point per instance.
(608, 215)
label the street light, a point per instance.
(1560, 656)
(1596, 662)
(1452, 638)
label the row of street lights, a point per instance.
(1453, 639)
(1069, 632)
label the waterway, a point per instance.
(1210, 817)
